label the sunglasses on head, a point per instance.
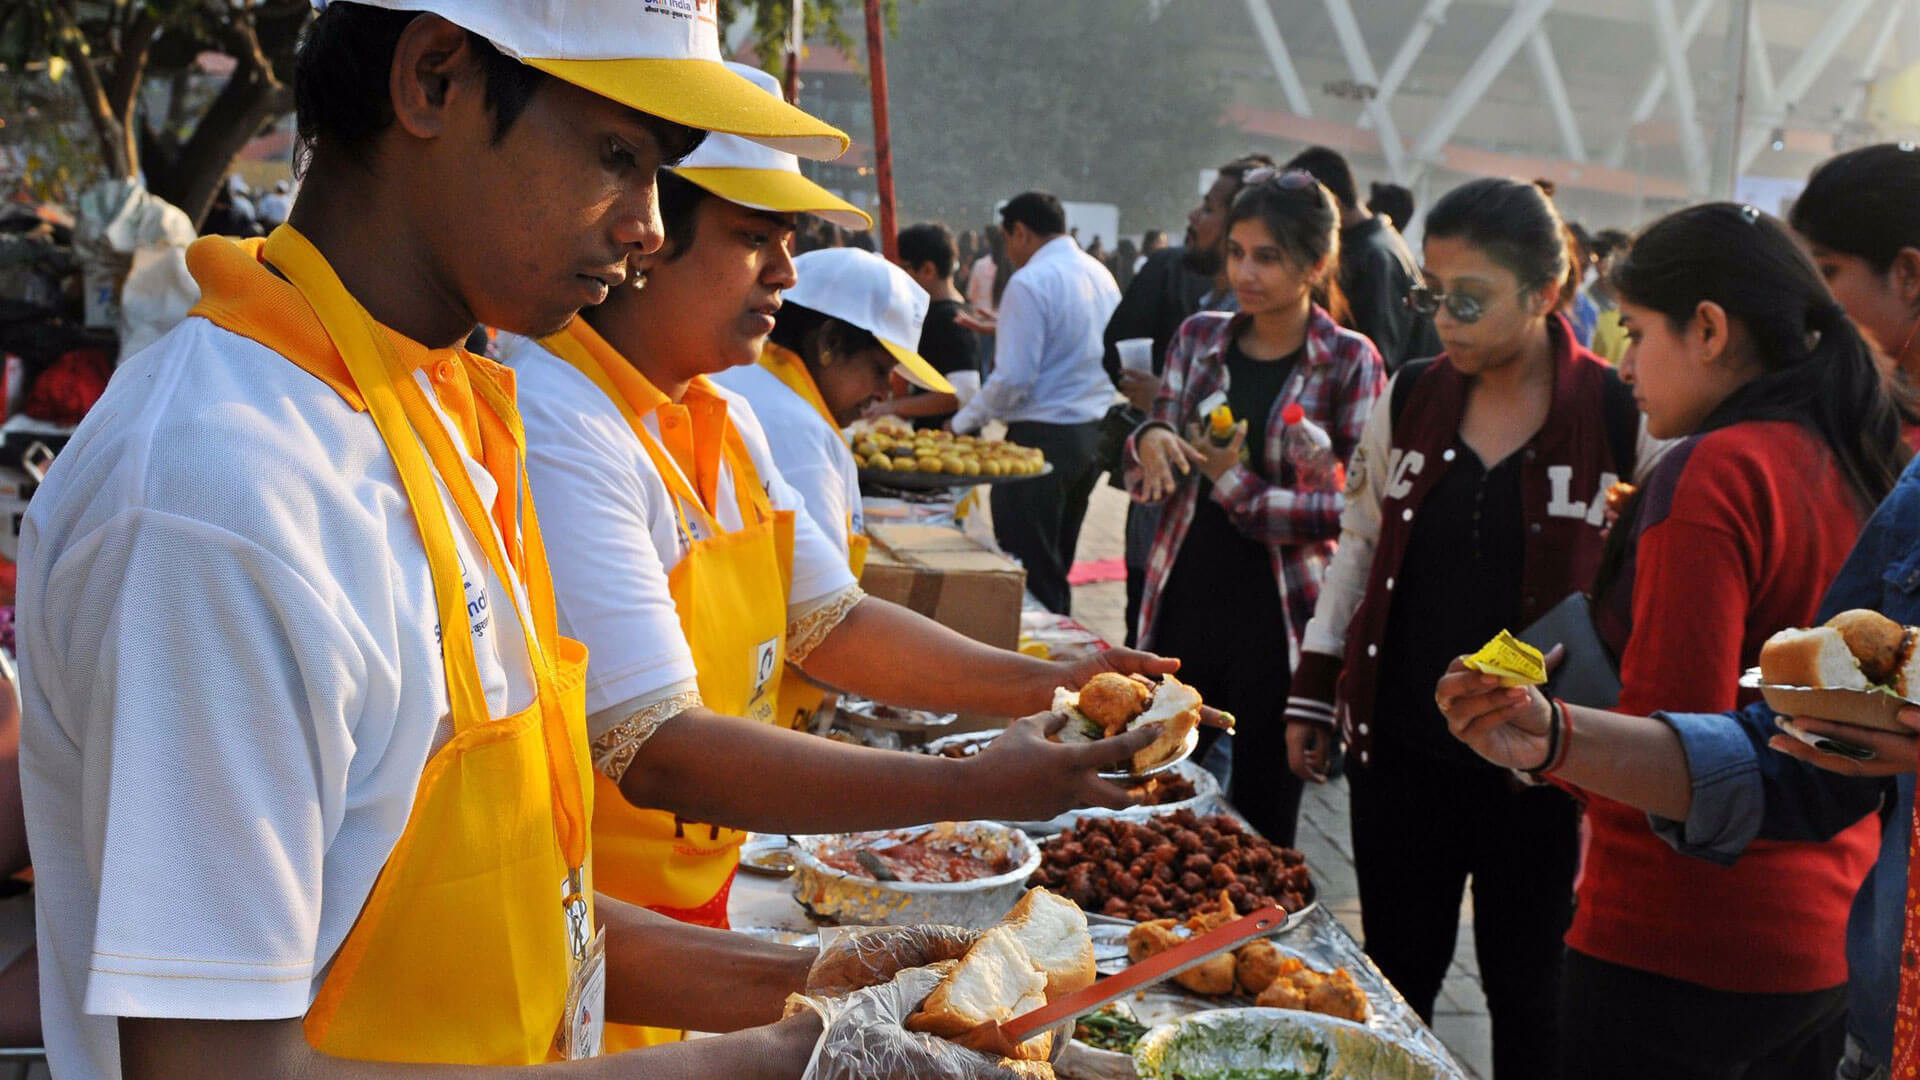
(1464, 308)
(1287, 179)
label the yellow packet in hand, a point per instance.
(1514, 661)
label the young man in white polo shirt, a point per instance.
(283, 825)
(659, 474)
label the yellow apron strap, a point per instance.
(747, 488)
(791, 370)
(357, 343)
(406, 422)
(537, 581)
(754, 506)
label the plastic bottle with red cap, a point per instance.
(1309, 449)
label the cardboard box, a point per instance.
(950, 578)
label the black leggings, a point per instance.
(1422, 827)
(1241, 668)
(1621, 1021)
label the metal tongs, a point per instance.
(1148, 972)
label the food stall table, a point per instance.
(765, 907)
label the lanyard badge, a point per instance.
(583, 1022)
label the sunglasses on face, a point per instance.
(1463, 307)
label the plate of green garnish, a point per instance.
(1276, 1044)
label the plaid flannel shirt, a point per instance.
(1336, 383)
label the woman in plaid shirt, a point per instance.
(1234, 514)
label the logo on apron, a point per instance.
(765, 656)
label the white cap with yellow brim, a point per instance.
(863, 289)
(661, 57)
(761, 177)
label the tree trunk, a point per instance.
(116, 149)
(192, 178)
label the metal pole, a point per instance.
(796, 37)
(1743, 33)
(882, 133)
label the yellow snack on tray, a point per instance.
(1514, 661)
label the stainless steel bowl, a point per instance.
(837, 896)
(1278, 1043)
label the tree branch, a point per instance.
(107, 127)
(129, 70)
(253, 96)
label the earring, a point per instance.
(638, 281)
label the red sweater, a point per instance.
(1740, 532)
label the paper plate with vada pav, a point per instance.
(1861, 668)
(1112, 704)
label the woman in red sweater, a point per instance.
(1678, 967)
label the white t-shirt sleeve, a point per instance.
(819, 542)
(222, 694)
(596, 514)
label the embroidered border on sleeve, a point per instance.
(805, 633)
(614, 751)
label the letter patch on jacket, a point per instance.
(1561, 505)
(1402, 467)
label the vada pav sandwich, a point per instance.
(1855, 650)
(1110, 704)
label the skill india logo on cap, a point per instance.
(703, 11)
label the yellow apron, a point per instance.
(800, 698)
(464, 951)
(730, 590)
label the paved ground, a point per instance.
(1461, 1015)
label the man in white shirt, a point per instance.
(247, 601)
(1048, 387)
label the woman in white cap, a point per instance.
(850, 321)
(305, 759)
(694, 574)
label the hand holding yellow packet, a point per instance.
(1514, 661)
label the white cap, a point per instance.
(763, 178)
(867, 291)
(661, 57)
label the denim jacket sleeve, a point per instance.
(1743, 791)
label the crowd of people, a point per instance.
(283, 822)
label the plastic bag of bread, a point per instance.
(862, 1037)
(869, 955)
(1039, 952)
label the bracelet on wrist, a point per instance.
(1555, 737)
(1566, 736)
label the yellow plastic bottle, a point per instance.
(1220, 425)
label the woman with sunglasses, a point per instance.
(1711, 967)
(1238, 554)
(1475, 504)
